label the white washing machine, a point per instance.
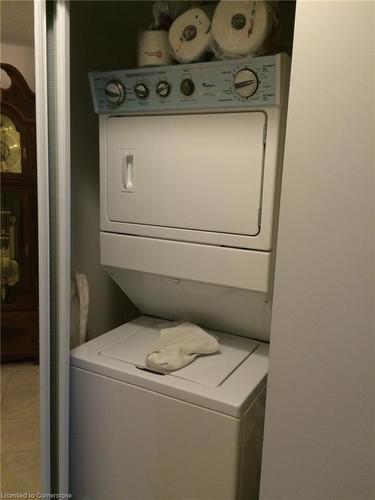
(193, 434)
(190, 170)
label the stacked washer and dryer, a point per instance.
(190, 170)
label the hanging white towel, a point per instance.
(180, 345)
(79, 306)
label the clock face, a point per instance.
(10, 146)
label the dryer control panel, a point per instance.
(246, 83)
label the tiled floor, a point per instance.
(20, 428)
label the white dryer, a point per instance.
(190, 170)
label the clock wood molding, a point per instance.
(18, 97)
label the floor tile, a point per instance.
(20, 472)
(6, 370)
(21, 398)
(28, 368)
(19, 434)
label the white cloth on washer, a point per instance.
(180, 345)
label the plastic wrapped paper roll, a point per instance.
(153, 48)
(190, 35)
(240, 28)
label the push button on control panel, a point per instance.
(187, 86)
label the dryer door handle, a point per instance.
(128, 170)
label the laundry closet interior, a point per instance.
(174, 215)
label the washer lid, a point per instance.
(210, 370)
(241, 380)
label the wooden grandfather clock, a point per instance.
(19, 250)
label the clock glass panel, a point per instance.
(10, 144)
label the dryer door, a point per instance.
(199, 172)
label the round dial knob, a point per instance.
(245, 82)
(114, 92)
(163, 88)
(141, 90)
(187, 86)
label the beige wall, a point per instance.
(103, 36)
(21, 57)
(319, 434)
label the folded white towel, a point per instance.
(180, 345)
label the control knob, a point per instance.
(163, 88)
(245, 82)
(187, 86)
(141, 90)
(115, 92)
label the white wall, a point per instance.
(22, 58)
(319, 433)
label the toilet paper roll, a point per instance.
(153, 48)
(190, 35)
(240, 28)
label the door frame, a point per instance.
(40, 48)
